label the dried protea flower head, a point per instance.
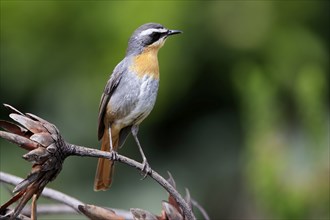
(46, 152)
(170, 209)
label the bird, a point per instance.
(129, 96)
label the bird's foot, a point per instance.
(114, 155)
(146, 169)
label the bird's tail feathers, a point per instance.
(105, 167)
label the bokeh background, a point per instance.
(242, 116)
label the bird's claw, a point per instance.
(114, 155)
(146, 169)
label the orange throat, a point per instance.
(146, 63)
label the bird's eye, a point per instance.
(155, 36)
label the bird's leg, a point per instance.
(114, 154)
(146, 168)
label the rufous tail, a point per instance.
(104, 171)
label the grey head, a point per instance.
(148, 35)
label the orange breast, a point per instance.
(146, 63)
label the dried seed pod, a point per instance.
(46, 152)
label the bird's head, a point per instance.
(150, 35)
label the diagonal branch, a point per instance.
(48, 151)
(89, 152)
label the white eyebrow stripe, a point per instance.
(151, 30)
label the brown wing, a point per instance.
(109, 89)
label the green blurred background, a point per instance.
(242, 116)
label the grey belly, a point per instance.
(133, 99)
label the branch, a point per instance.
(71, 203)
(48, 150)
(47, 192)
(50, 209)
(89, 152)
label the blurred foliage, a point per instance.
(242, 116)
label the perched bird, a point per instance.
(129, 96)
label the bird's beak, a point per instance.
(172, 32)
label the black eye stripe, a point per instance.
(156, 35)
(153, 35)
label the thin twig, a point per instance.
(8, 212)
(89, 152)
(56, 196)
(50, 209)
(34, 207)
(47, 192)
(201, 209)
